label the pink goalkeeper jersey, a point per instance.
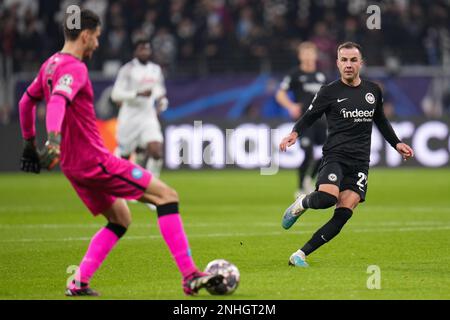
(81, 145)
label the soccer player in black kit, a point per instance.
(305, 81)
(350, 104)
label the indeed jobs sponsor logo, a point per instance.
(358, 115)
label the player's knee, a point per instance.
(326, 200)
(118, 229)
(157, 155)
(348, 202)
(169, 195)
(155, 151)
(127, 222)
(119, 214)
(173, 195)
(321, 200)
(123, 221)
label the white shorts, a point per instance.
(132, 135)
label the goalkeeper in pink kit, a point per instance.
(102, 181)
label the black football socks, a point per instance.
(319, 200)
(328, 231)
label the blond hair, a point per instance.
(307, 45)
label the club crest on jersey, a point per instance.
(302, 78)
(320, 77)
(370, 98)
(332, 177)
(137, 173)
(65, 83)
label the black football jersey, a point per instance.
(304, 85)
(350, 113)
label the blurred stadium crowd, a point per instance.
(198, 37)
(233, 35)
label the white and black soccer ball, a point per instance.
(230, 273)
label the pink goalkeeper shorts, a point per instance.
(99, 186)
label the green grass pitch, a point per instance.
(403, 228)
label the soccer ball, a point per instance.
(230, 273)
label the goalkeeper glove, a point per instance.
(30, 158)
(49, 156)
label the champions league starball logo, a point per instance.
(65, 83)
(66, 80)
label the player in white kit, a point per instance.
(140, 90)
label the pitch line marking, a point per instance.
(212, 224)
(258, 234)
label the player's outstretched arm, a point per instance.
(388, 132)
(318, 106)
(283, 99)
(162, 104)
(405, 150)
(160, 93)
(122, 90)
(56, 110)
(292, 107)
(288, 141)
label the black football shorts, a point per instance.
(345, 176)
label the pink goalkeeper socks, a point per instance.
(101, 244)
(171, 228)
